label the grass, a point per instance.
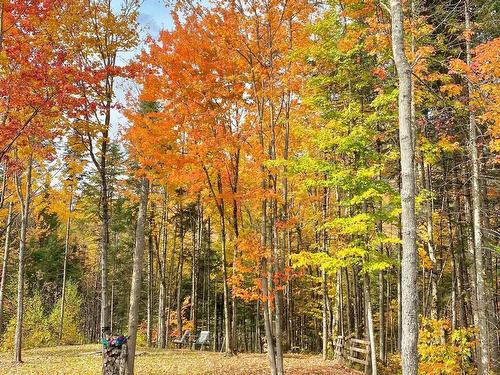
(82, 360)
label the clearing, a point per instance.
(82, 360)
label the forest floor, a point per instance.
(83, 360)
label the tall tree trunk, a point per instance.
(433, 274)
(149, 306)
(481, 293)
(161, 340)
(469, 235)
(339, 320)
(208, 253)
(257, 343)
(399, 291)
(369, 324)
(278, 308)
(277, 269)
(356, 297)
(267, 320)
(216, 326)
(24, 204)
(348, 299)
(170, 284)
(409, 264)
(3, 189)
(234, 336)
(227, 320)
(324, 285)
(179, 282)
(104, 236)
(111, 305)
(5, 261)
(197, 233)
(135, 291)
(65, 266)
(265, 290)
(381, 309)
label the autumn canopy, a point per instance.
(285, 176)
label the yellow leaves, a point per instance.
(424, 51)
(4, 61)
(356, 9)
(85, 360)
(495, 133)
(467, 34)
(435, 76)
(346, 44)
(447, 145)
(443, 351)
(451, 89)
(327, 262)
(351, 38)
(458, 66)
(431, 151)
(424, 258)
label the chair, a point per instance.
(202, 340)
(184, 340)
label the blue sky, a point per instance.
(154, 16)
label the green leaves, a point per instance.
(359, 224)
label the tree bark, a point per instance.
(382, 328)
(179, 282)
(433, 274)
(409, 264)
(369, 324)
(197, 227)
(324, 285)
(481, 293)
(104, 236)
(161, 340)
(65, 266)
(135, 291)
(149, 318)
(24, 204)
(227, 319)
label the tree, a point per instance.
(140, 244)
(37, 80)
(24, 203)
(107, 33)
(409, 302)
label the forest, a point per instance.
(290, 186)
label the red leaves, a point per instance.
(38, 80)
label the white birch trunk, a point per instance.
(135, 291)
(481, 294)
(24, 203)
(409, 263)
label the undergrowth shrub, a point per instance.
(443, 351)
(41, 328)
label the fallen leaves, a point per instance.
(71, 360)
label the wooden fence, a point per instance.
(351, 350)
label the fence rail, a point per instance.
(351, 350)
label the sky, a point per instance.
(154, 16)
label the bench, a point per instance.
(184, 340)
(202, 340)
